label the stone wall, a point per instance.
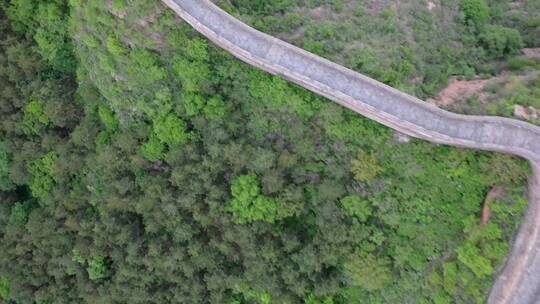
(395, 109)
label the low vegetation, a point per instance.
(139, 163)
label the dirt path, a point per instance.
(495, 193)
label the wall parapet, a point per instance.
(395, 109)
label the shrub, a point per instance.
(118, 5)
(518, 64)
(193, 104)
(97, 268)
(52, 37)
(5, 182)
(531, 32)
(146, 63)
(76, 256)
(22, 12)
(248, 205)
(108, 119)
(103, 138)
(368, 271)
(171, 130)
(191, 73)
(355, 206)
(115, 47)
(365, 167)
(34, 117)
(4, 288)
(197, 50)
(215, 108)
(450, 273)
(19, 213)
(470, 256)
(42, 171)
(153, 149)
(500, 41)
(476, 12)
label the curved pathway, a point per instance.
(520, 281)
(396, 110)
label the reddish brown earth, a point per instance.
(531, 53)
(493, 194)
(460, 90)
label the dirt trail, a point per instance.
(493, 194)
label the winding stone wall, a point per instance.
(396, 110)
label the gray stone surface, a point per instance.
(407, 114)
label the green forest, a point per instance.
(139, 163)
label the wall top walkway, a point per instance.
(358, 92)
(382, 103)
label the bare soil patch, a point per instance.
(532, 53)
(495, 193)
(460, 90)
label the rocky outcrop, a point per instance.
(527, 113)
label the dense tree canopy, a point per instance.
(141, 164)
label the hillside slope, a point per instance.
(141, 164)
